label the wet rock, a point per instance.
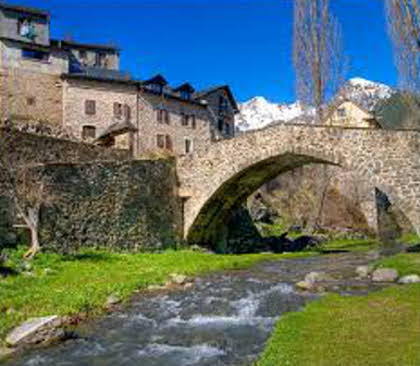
(6, 352)
(37, 330)
(409, 279)
(178, 279)
(113, 300)
(305, 285)
(317, 277)
(188, 285)
(384, 275)
(363, 271)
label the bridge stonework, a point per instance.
(216, 181)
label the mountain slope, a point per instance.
(258, 112)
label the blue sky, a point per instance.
(244, 43)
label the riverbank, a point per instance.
(80, 284)
(381, 328)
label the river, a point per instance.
(225, 319)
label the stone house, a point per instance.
(79, 88)
(349, 114)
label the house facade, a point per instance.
(80, 88)
(349, 114)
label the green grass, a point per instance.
(82, 283)
(404, 263)
(350, 244)
(410, 239)
(382, 328)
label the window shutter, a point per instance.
(90, 107)
(167, 117)
(168, 143)
(127, 112)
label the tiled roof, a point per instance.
(23, 9)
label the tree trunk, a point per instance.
(35, 247)
(32, 219)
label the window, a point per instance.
(25, 28)
(162, 116)
(185, 119)
(341, 112)
(186, 95)
(157, 88)
(168, 143)
(160, 141)
(90, 107)
(118, 110)
(35, 55)
(83, 56)
(188, 146)
(223, 104)
(88, 132)
(227, 128)
(127, 112)
(220, 124)
(30, 101)
(101, 59)
(193, 122)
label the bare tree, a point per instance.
(26, 189)
(317, 53)
(403, 18)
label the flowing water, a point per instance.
(224, 319)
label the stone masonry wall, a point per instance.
(121, 206)
(229, 171)
(26, 95)
(149, 127)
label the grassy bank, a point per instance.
(66, 285)
(379, 329)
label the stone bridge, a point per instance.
(214, 182)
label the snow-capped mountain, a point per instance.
(258, 112)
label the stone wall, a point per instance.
(229, 171)
(121, 206)
(26, 148)
(26, 95)
(77, 91)
(150, 128)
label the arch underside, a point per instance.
(207, 226)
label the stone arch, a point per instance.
(224, 175)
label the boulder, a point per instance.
(363, 271)
(36, 330)
(305, 285)
(409, 279)
(178, 278)
(317, 277)
(384, 275)
(113, 300)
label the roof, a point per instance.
(23, 9)
(184, 87)
(202, 93)
(157, 79)
(89, 46)
(117, 128)
(102, 75)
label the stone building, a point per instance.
(349, 114)
(79, 88)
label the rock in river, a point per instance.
(385, 275)
(37, 330)
(409, 279)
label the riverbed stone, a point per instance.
(384, 275)
(317, 277)
(36, 330)
(413, 278)
(363, 271)
(113, 300)
(178, 278)
(305, 285)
